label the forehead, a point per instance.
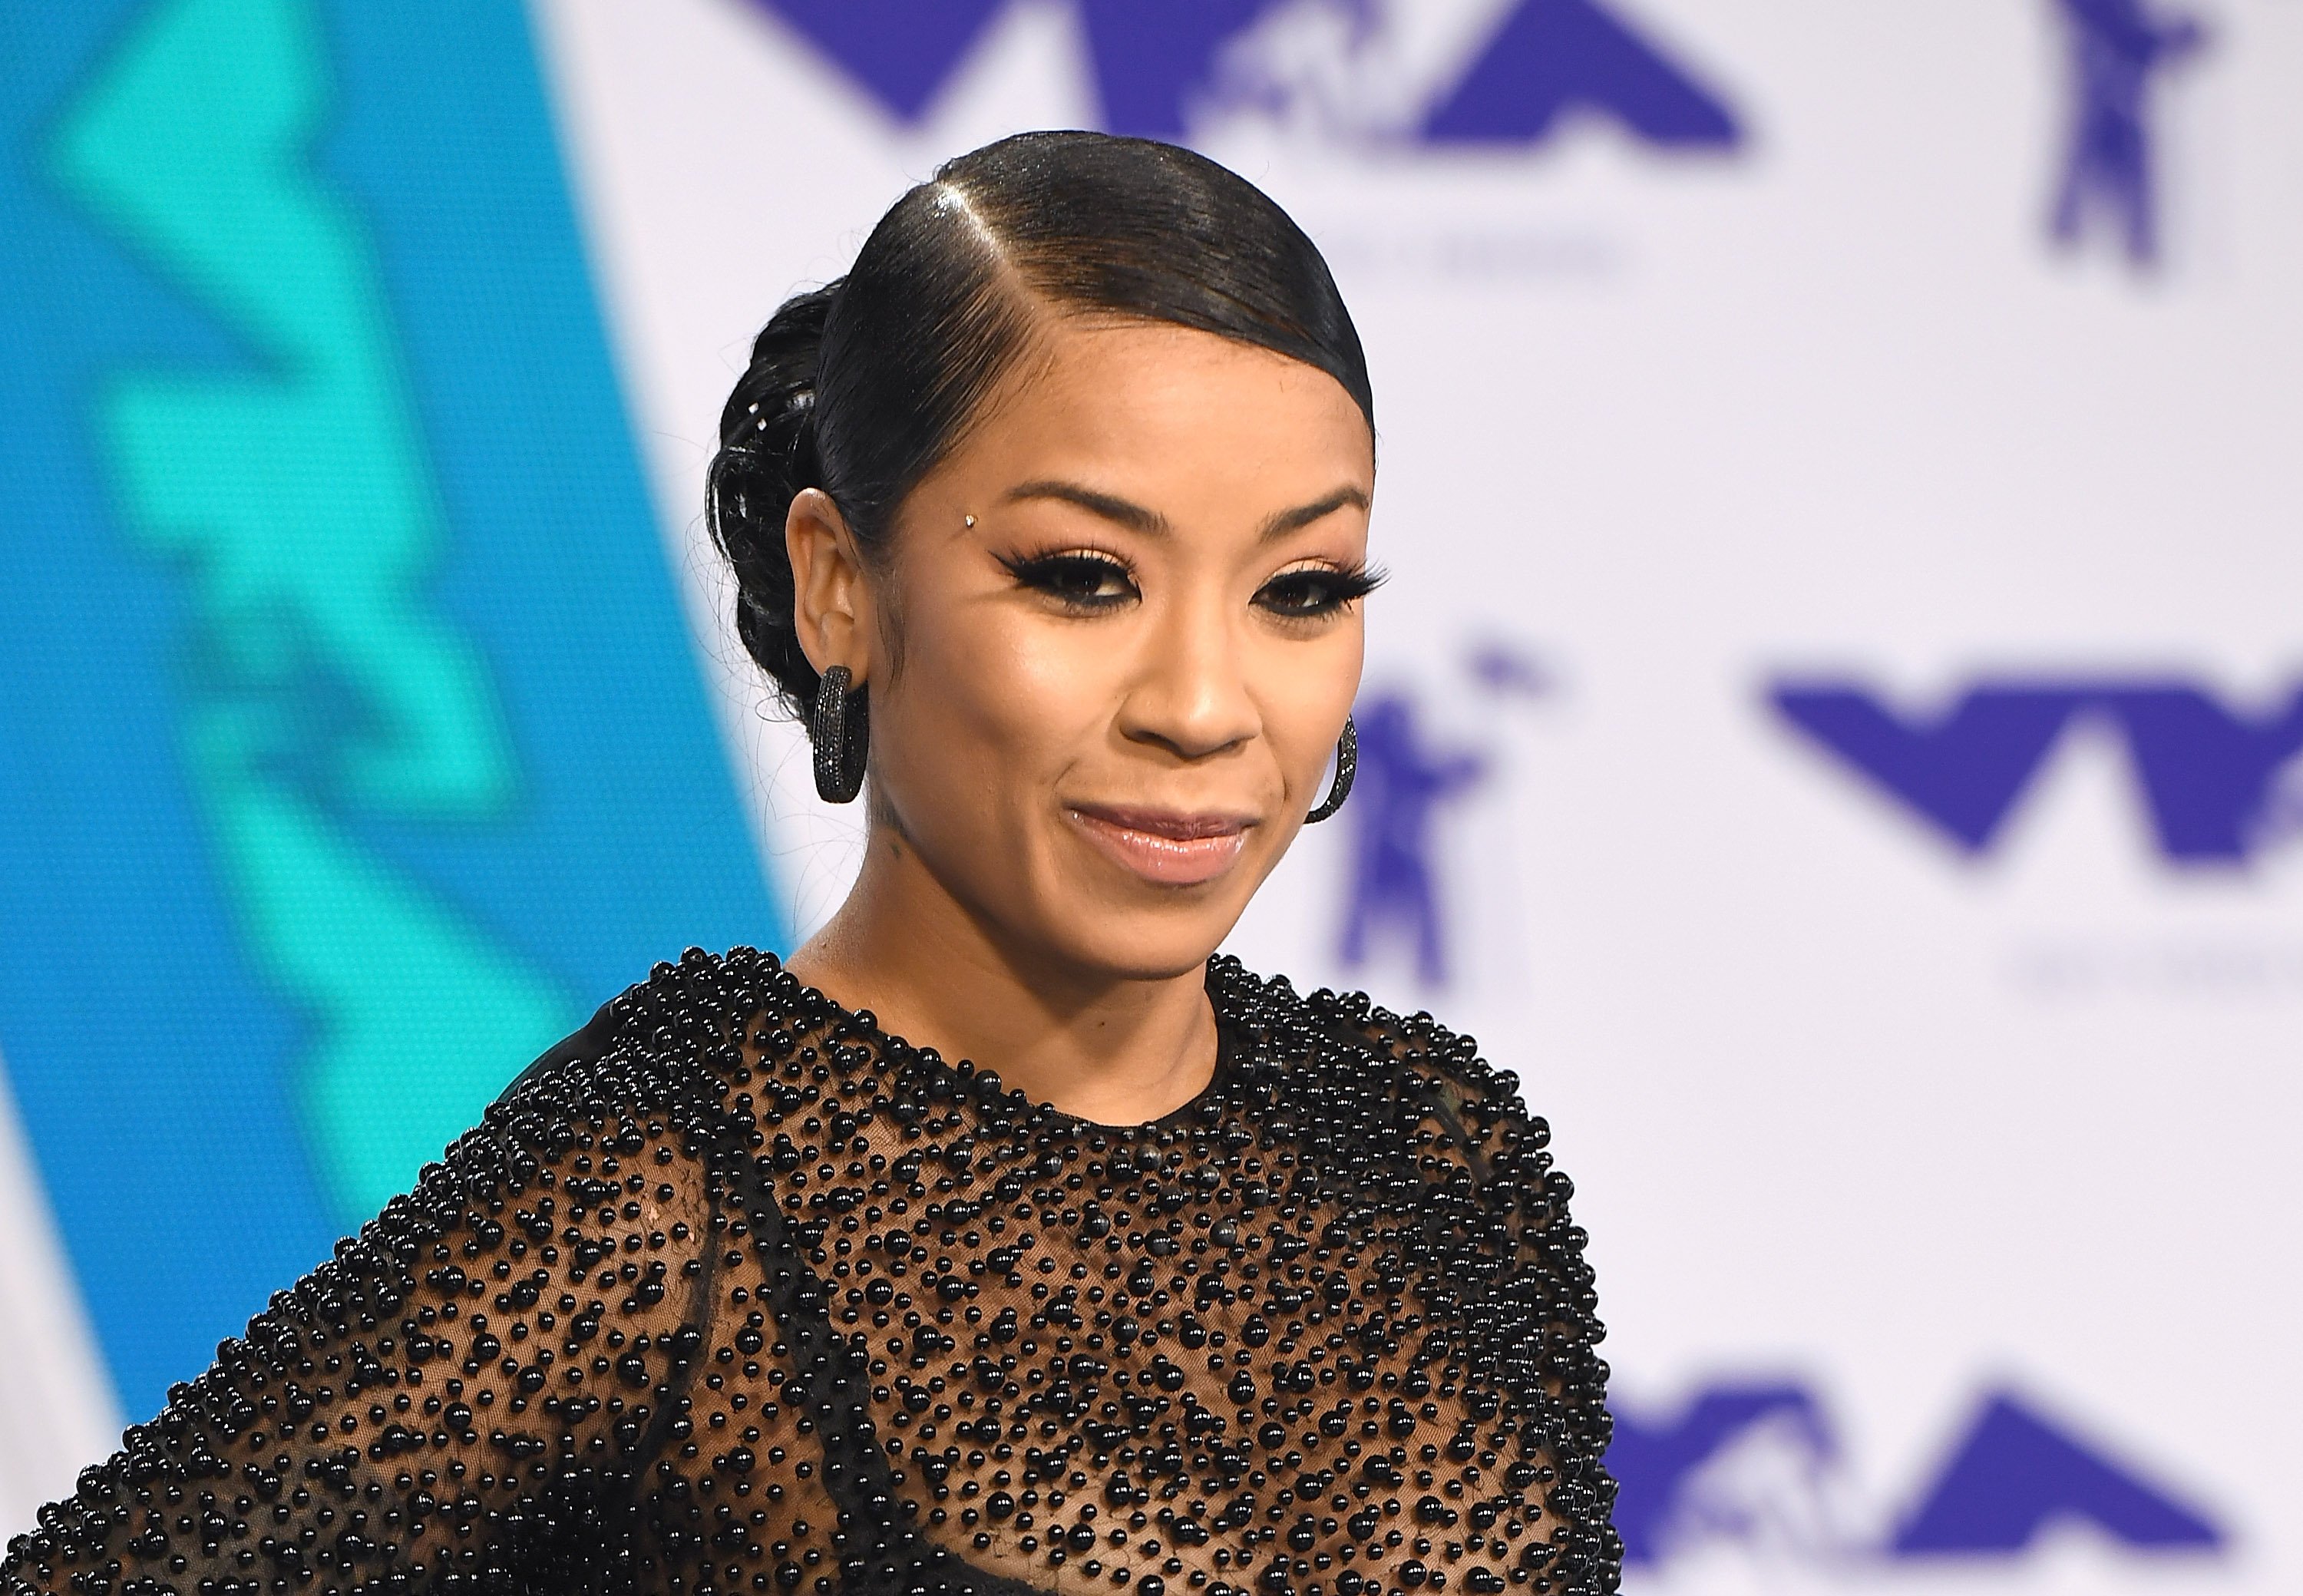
(1153, 400)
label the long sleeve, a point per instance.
(465, 1389)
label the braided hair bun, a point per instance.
(767, 455)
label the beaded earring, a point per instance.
(1347, 765)
(840, 728)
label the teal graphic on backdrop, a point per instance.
(382, 755)
(300, 507)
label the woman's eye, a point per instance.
(1314, 590)
(1083, 580)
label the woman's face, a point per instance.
(1116, 640)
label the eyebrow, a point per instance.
(1303, 515)
(1112, 507)
(1137, 518)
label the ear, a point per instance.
(832, 596)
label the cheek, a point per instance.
(1011, 700)
(1059, 682)
(1308, 690)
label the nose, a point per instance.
(1189, 695)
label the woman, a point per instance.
(1187, 1283)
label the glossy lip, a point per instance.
(1165, 846)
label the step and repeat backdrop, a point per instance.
(1833, 728)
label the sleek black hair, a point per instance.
(860, 386)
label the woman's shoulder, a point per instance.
(651, 1069)
(657, 1040)
(1391, 1060)
(1415, 1049)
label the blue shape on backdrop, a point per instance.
(1555, 56)
(1147, 61)
(154, 1066)
(2015, 1474)
(1510, 671)
(1152, 63)
(1401, 784)
(2012, 1475)
(1962, 771)
(900, 51)
(1150, 60)
(2209, 773)
(2116, 47)
(1654, 1459)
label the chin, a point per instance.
(1147, 947)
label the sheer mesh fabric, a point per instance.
(732, 1292)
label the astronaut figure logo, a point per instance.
(1402, 783)
(2116, 48)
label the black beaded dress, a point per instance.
(732, 1292)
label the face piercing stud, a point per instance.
(971, 520)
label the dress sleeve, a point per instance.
(1526, 1496)
(470, 1387)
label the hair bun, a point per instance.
(767, 455)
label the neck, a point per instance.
(1110, 1048)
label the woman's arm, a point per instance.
(474, 1382)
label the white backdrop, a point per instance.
(1928, 1089)
(1869, 1128)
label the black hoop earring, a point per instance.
(840, 730)
(1347, 765)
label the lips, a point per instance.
(1165, 846)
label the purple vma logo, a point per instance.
(1153, 62)
(1762, 1466)
(2213, 777)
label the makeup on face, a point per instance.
(1162, 846)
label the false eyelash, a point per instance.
(1338, 586)
(1357, 580)
(1023, 566)
(1343, 585)
(1038, 570)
